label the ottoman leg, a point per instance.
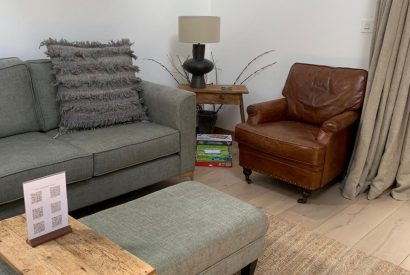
(250, 268)
(247, 172)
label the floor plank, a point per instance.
(390, 240)
(406, 263)
(358, 219)
(323, 205)
(219, 178)
(244, 191)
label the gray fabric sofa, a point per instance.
(99, 164)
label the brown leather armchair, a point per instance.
(305, 138)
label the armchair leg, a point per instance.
(247, 172)
(305, 195)
(249, 269)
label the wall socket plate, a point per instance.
(367, 26)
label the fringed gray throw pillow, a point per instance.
(97, 86)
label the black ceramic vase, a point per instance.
(198, 66)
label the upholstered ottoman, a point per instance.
(188, 228)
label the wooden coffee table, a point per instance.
(83, 251)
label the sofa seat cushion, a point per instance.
(33, 155)
(187, 228)
(122, 146)
(290, 140)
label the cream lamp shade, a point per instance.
(199, 29)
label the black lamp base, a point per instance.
(198, 66)
(198, 81)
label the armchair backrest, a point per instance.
(316, 93)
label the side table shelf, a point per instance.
(213, 94)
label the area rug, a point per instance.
(292, 249)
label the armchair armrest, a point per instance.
(336, 124)
(269, 111)
(174, 108)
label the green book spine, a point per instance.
(212, 142)
(214, 158)
(212, 150)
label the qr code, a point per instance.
(55, 191)
(36, 197)
(37, 213)
(55, 207)
(56, 221)
(39, 227)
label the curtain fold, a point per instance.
(381, 155)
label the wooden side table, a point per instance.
(83, 251)
(213, 94)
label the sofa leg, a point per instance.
(249, 269)
(305, 195)
(247, 172)
(189, 175)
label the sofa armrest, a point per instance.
(269, 111)
(174, 108)
(337, 124)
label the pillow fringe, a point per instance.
(101, 95)
(97, 86)
(86, 44)
(76, 123)
(119, 82)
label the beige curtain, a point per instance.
(381, 158)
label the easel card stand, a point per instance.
(50, 236)
(45, 201)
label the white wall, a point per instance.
(313, 31)
(152, 25)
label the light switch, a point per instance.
(367, 26)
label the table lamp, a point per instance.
(198, 30)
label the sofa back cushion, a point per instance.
(17, 108)
(316, 93)
(45, 92)
(97, 86)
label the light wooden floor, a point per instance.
(379, 227)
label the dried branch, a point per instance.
(164, 67)
(216, 81)
(215, 68)
(257, 71)
(171, 60)
(253, 60)
(182, 66)
(219, 108)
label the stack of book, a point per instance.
(213, 150)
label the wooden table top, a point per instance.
(83, 251)
(216, 89)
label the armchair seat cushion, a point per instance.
(121, 146)
(290, 140)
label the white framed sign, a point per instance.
(45, 201)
